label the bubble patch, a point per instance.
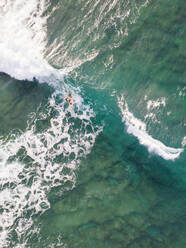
(43, 157)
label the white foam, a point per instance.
(138, 129)
(183, 141)
(30, 184)
(182, 91)
(152, 104)
(22, 39)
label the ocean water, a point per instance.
(111, 171)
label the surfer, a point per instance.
(35, 80)
(69, 100)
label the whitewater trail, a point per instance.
(32, 163)
(137, 128)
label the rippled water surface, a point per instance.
(111, 170)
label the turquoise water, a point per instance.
(111, 171)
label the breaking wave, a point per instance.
(138, 129)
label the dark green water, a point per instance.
(111, 172)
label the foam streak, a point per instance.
(138, 128)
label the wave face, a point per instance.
(110, 170)
(88, 29)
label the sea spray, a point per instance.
(23, 39)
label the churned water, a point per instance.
(111, 171)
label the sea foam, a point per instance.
(137, 128)
(22, 39)
(33, 162)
